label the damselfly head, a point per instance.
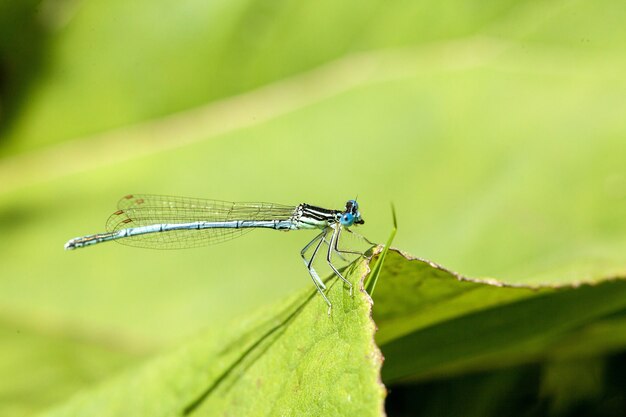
(351, 214)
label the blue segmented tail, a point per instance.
(79, 242)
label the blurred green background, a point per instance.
(496, 128)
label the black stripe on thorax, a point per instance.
(318, 213)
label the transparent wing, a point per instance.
(145, 209)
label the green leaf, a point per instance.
(372, 279)
(436, 323)
(291, 359)
(294, 359)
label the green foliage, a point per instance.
(291, 359)
(462, 333)
(432, 324)
(372, 279)
(460, 324)
(496, 128)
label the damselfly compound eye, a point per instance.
(352, 205)
(347, 219)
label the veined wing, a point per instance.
(146, 209)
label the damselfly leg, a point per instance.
(340, 251)
(333, 244)
(319, 284)
(333, 247)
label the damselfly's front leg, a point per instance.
(336, 246)
(360, 236)
(319, 284)
(331, 246)
(343, 258)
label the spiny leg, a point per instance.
(343, 258)
(360, 236)
(340, 251)
(309, 264)
(333, 242)
(319, 284)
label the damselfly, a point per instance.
(164, 222)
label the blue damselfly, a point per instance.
(164, 222)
